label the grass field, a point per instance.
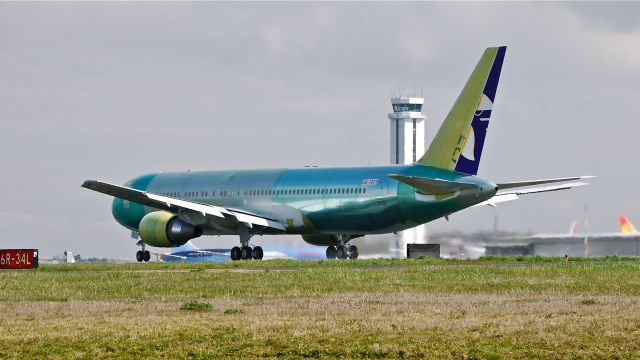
(490, 308)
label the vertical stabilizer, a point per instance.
(459, 142)
(626, 227)
(573, 230)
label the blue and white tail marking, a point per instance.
(469, 159)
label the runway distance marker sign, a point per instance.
(18, 258)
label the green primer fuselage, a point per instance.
(313, 201)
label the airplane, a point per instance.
(625, 242)
(328, 206)
(191, 253)
(626, 227)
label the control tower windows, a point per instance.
(407, 107)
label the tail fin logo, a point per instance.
(626, 227)
(481, 123)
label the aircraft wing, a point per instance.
(177, 205)
(510, 191)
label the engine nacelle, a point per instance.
(164, 229)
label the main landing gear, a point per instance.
(142, 255)
(342, 252)
(244, 251)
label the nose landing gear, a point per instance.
(142, 255)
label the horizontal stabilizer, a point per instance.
(509, 195)
(518, 184)
(432, 186)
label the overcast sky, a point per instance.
(113, 90)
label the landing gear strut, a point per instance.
(142, 255)
(245, 251)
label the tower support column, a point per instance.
(407, 144)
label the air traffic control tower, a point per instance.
(406, 146)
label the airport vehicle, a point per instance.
(189, 252)
(328, 206)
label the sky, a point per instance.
(110, 91)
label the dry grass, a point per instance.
(385, 313)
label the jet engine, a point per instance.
(164, 229)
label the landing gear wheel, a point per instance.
(139, 256)
(342, 252)
(245, 253)
(331, 252)
(257, 253)
(236, 253)
(353, 252)
(146, 255)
